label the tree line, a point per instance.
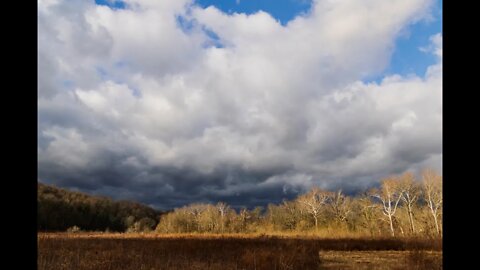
(402, 205)
(59, 210)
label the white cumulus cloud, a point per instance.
(171, 102)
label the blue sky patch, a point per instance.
(407, 57)
(114, 4)
(282, 10)
(214, 39)
(68, 84)
(187, 25)
(102, 73)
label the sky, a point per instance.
(248, 102)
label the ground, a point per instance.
(152, 251)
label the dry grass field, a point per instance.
(381, 259)
(196, 251)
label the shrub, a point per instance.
(74, 229)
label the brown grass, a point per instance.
(381, 259)
(200, 251)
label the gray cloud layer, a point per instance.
(145, 103)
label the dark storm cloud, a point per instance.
(168, 187)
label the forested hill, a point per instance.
(60, 209)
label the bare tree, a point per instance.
(291, 213)
(196, 210)
(432, 186)
(209, 219)
(340, 206)
(411, 193)
(390, 195)
(222, 209)
(244, 217)
(367, 209)
(314, 201)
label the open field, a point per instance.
(197, 251)
(381, 259)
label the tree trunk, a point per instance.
(410, 216)
(436, 222)
(391, 225)
(223, 224)
(316, 223)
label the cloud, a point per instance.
(134, 104)
(435, 46)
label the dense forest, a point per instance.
(401, 206)
(60, 210)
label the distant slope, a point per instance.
(60, 209)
